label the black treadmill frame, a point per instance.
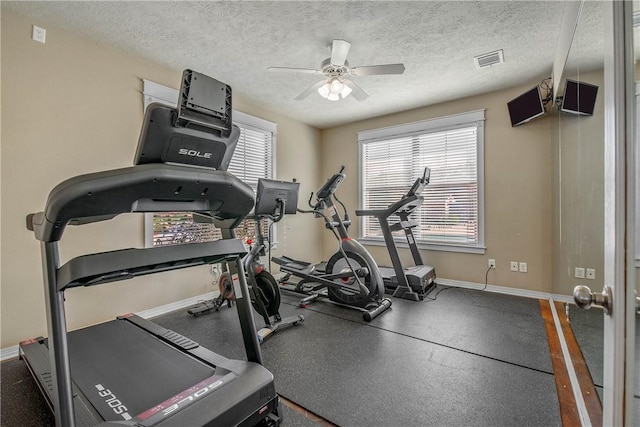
(403, 208)
(142, 188)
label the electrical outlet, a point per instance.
(492, 263)
(591, 273)
(514, 265)
(38, 34)
(579, 273)
(523, 267)
(214, 270)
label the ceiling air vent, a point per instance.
(488, 59)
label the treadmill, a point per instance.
(130, 371)
(412, 283)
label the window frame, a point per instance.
(155, 92)
(439, 124)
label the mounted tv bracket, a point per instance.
(198, 132)
(549, 89)
(558, 101)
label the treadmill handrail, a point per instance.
(143, 188)
(95, 269)
(392, 209)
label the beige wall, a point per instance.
(578, 183)
(517, 191)
(70, 107)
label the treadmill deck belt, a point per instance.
(153, 372)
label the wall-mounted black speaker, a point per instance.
(579, 98)
(526, 107)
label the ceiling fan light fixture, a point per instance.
(337, 71)
(346, 90)
(334, 90)
(325, 90)
(336, 86)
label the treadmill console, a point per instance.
(198, 132)
(420, 183)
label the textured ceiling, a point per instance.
(236, 42)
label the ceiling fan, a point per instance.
(338, 83)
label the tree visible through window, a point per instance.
(452, 147)
(176, 228)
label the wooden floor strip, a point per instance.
(589, 394)
(568, 409)
(312, 416)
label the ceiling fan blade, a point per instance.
(371, 70)
(310, 90)
(356, 90)
(295, 70)
(339, 52)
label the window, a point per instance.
(253, 158)
(451, 216)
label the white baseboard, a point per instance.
(179, 305)
(505, 290)
(8, 353)
(11, 352)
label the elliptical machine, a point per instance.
(351, 276)
(271, 203)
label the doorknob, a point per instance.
(585, 299)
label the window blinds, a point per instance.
(450, 213)
(253, 157)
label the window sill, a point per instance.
(430, 246)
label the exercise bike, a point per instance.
(351, 276)
(271, 203)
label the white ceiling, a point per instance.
(235, 42)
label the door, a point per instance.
(619, 215)
(618, 249)
(619, 218)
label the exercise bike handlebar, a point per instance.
(278, 213)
